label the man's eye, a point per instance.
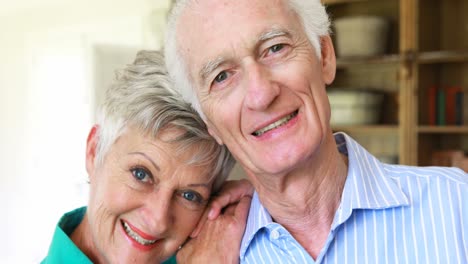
(192, 196)
(141, 174)
(221, 77)
(276, 48)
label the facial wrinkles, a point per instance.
(317, 91)
(195, 177)
(175, 170)
(235, 46)
(111, 206)
(104, 232)
(248, 58)
(211, 17)
(111, 179)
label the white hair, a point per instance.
(143, 97)
(311, 13)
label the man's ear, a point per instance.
(214, 134)
(328, 59)
(91, 146)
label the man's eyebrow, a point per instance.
(273, 33)
(210, 66)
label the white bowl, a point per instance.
(354, 107)
(361, 35)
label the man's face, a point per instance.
(258, 79)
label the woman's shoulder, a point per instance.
(62, 249)
(171, 260)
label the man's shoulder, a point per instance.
(450, 176)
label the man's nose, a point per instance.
(261, 89)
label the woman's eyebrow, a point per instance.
(204, 185)
(147, 157)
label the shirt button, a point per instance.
(275, 234)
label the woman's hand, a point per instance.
(219, 239)
(230, 193)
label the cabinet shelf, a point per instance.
(334, 2)
(371, 129)
(442, 57)
(345, 62)
(422, 52)
(443, 129)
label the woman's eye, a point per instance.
(192, 196)
(141, 174)
(221, 77)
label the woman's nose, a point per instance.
(159, 216)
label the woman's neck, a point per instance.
(83, 240)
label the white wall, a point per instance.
(47, 102)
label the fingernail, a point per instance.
(211, 214)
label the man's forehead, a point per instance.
(213, 31)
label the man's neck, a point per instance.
(305, 200)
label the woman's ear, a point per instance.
(91, 146)
(328, 59)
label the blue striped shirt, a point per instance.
(388, 214)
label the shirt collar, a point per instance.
(257, 219)
(366, 187)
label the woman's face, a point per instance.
(144, 199)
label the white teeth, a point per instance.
(137, 237)
(276, 124)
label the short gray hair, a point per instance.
(312, 14)
(142, 96)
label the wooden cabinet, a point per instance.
(427, 50)
(442, 62)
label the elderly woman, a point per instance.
(152, 167)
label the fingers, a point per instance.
(230, 210)
(184, 253)
(242, 209)
(218, 204)
(239, 210)
(231, 192)
(198, 228)
(200, 224)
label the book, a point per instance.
(451, 104)
(447, 158)
(440, 106)
(459, 108)
(432, 109)
(465, 110)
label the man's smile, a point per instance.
(275, 124)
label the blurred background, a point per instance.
(58, 57)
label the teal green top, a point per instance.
(63, 250)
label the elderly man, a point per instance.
(257, 72)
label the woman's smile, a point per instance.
(138, 236)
